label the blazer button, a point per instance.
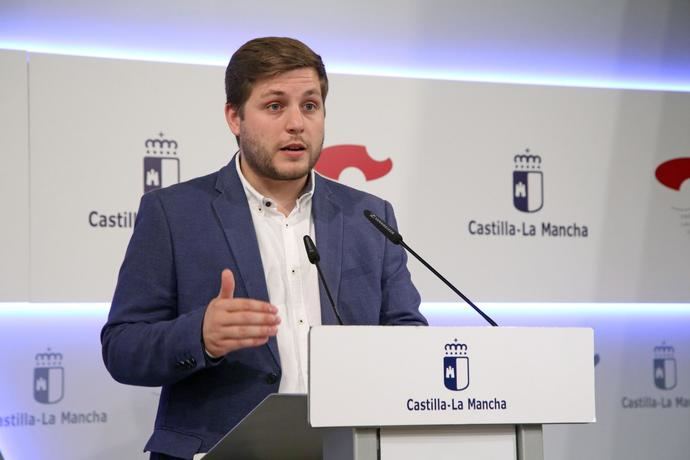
(192, 361)
(272, 378)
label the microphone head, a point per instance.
(312, 252)
(383, 227)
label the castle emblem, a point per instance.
(528, 183)
(456, 366)
(161, 165)
(664, 367)
(49, 378)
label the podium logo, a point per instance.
(664, 367)
(456, 366)
(49, 378)
(335, 159)
(528, 183)
(161, 167)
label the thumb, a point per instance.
(227, 285)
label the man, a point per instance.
(215, 296)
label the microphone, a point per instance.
(391, 234)
(314, 258)
(396, 238)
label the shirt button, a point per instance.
(301, 321)
(272, 378)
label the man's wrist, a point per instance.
(209, 354)
(211, 358)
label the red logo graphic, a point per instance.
(335, 159)
(673, 173)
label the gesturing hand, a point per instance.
(231, 324)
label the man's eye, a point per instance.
(274, 107)
(310, 107)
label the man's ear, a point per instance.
(232, 116)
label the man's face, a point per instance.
(281, 130)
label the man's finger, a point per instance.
(245, 343)
(242, 304)
(227, 285)
(247, 332)
(248, 318)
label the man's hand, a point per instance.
(231, 324)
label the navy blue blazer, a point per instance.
(184, 236)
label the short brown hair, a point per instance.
(267, 57)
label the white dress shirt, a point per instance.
(292, 281)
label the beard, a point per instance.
(260, 157)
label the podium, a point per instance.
(382, 392)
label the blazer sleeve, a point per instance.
(145, 341)
(400, 300)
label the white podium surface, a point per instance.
(446, 443)
(415, 376)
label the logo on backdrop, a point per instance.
(528, 183)
(161, 165)
(161, 168)
(48, 388)
(664, 367)
(672, 174)
(665, 378)
(336, 158)
(456, 366)
(528, 197)
(49, 378)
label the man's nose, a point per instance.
(295, 120)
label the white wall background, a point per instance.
(452, 145)
(86, 153)
(14, 176)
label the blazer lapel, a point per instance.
(328, 229)
(233, 213)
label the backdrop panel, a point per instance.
(518, 193)
(59, 393)
(102, 132)
(14, 177)
(590, 221)
(58, 401)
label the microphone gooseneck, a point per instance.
(314, 258)
(395, 238)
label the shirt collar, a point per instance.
(257, 199)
